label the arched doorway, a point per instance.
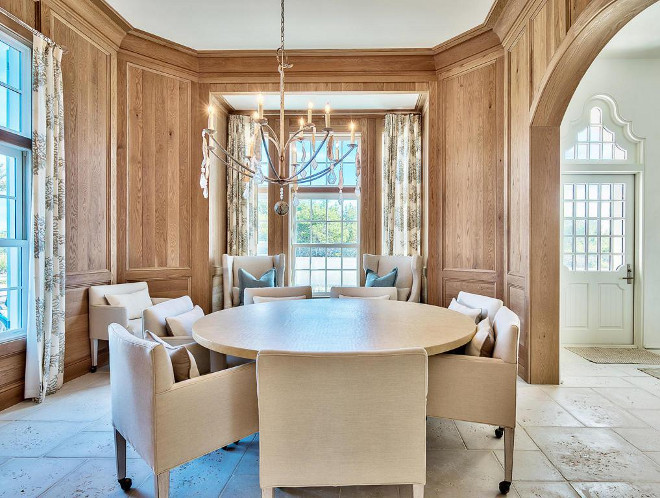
(600, 21)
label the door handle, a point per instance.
(629, 275)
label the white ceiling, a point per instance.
(639, 39)
(337, 101)
(330, 24)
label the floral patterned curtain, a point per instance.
(402, 184)
(45, 350)
(241, 196)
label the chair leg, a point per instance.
(267, 492)
(162, 484)
(418, 490)
(120, 456)
(509, 435)
(94, 343)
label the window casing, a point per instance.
(325, 227)
(15, 120)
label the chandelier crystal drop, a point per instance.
(287, 169)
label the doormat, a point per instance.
(617, 355)
(653, 372)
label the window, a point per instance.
(325, 225)
(15, 87)
(594, 226)
(262, 212)
(595, 141)
(15, 119)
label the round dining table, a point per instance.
(332, 325)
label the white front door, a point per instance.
(597, 255)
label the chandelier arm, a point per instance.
(265, 144)
(242, 170)
(316, 153)
(271, 136)
(315, 176)
(229, 156)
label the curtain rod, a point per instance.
(31, 29)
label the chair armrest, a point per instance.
(216, 409)
(102, 315)
(157, 300)
(473, 389)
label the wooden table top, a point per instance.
(332, 325)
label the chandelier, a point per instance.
(303, 169)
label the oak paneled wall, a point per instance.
(23, 9)
(154, 169)
(472, 245)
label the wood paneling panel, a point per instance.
(453, 286)
(548, 28)
(516, 302)
(518, 174)
(23, 9)
(158, 169)
(472, 162)
(87, 75)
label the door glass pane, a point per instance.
(594, 238)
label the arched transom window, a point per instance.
(595, 142)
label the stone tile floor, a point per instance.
(596, 435)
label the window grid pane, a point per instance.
(595, 142)
(593, 227)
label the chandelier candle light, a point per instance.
(302, 169)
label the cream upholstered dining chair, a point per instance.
(168, 423)
(409, 273)
(489, 305)
(254, 265)
(482, 390)
(266, 294)
(364, 292)
(102, 313)
(333, 419)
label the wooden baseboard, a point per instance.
(82, 366)
(11, 394)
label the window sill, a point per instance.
(9, 337)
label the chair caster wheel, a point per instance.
(505, 486)
(236, 442)
(93, 369)
(499, 432)
(225, 447)
(125, 483)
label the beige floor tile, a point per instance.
(654, 455)
(616, 490)
(583, 381)
(102, 424)
(590, 370)
(650, 384)
(247, 486)
(545, 490)
(650, 417)
(544, 412)
(634, 370)
(34, 439)
(593, 409)
(90, 445)
(442, 434)
(531, 466)
(97, 478)
(462, 473)
(631, 398)
(482, 437)
(645, 439)
(32, 476)
(18, 411)
(322, 492)
(369, 492)
(79, 406)
(249, 463)
(592, 454)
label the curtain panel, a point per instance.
(45, 327)
(402, 184)
(241, 195)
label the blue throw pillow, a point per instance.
(373, 280)
(248, 281)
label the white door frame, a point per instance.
(633, 165)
